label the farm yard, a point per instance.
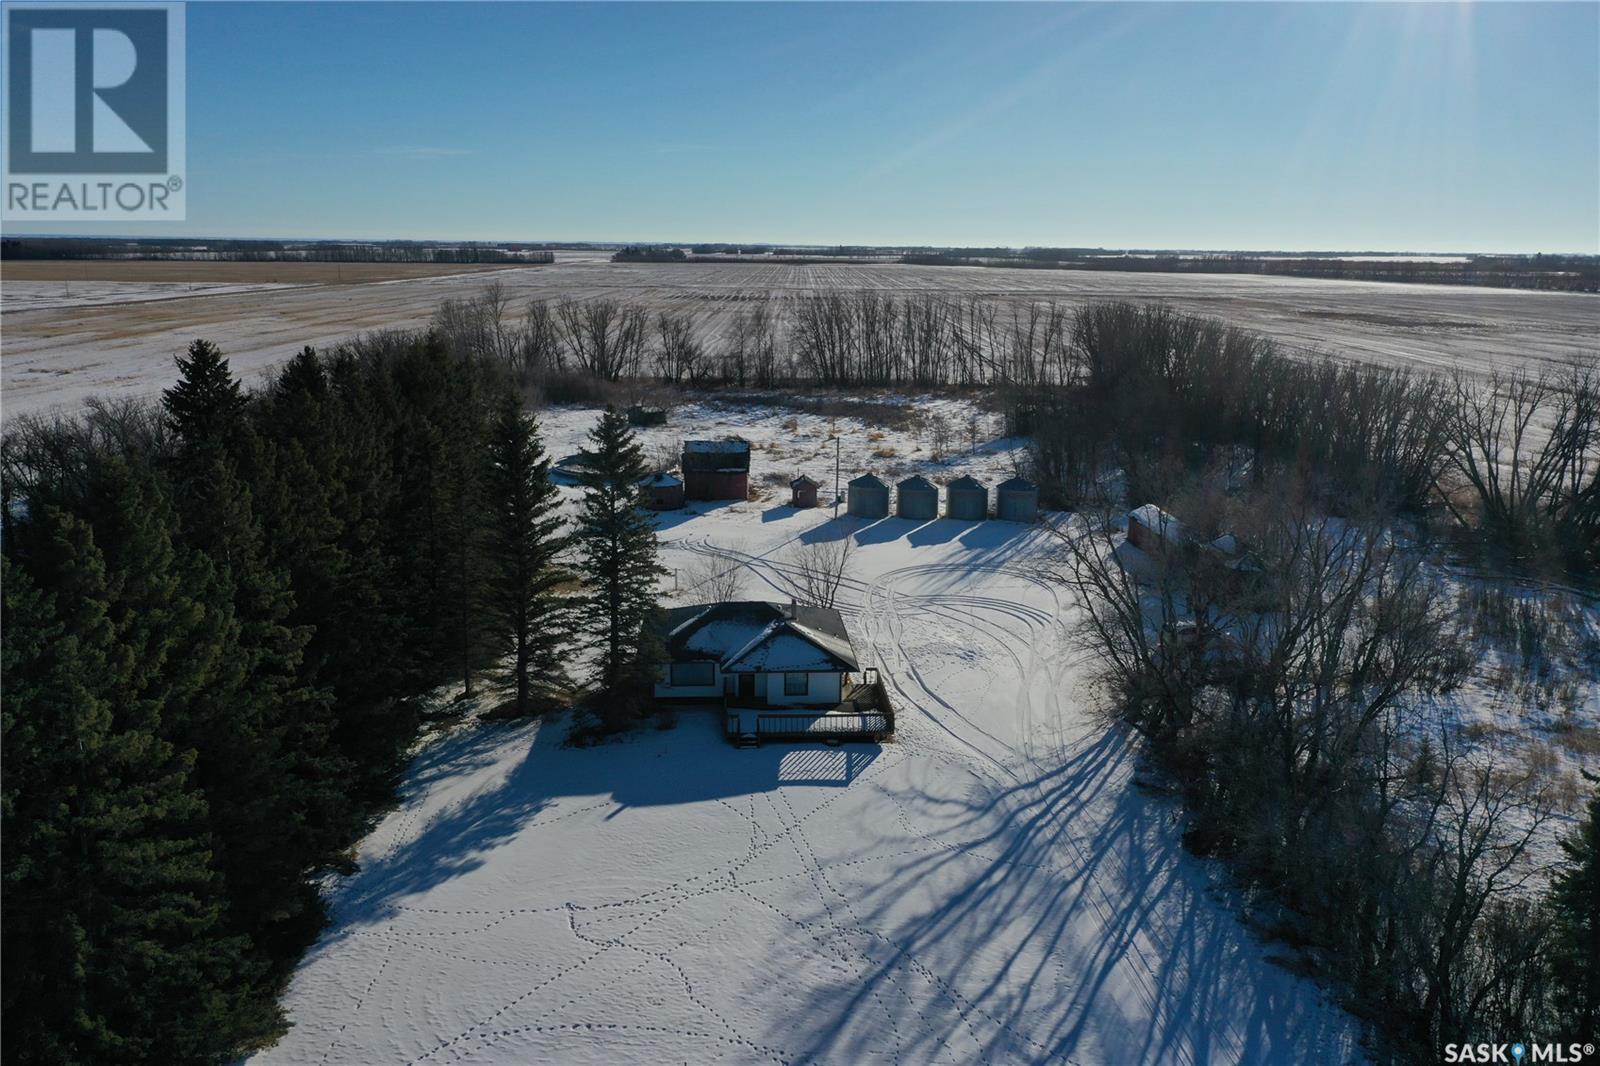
(992, 885)
(79, 329)
(810, 534)
(1000, 882)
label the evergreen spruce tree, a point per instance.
(263, 736)
(435, 527)
(617, 540)
(322, 501)
(115, 949)
(525, 540)
(207, 402)
(1575, 900)
(464, 431)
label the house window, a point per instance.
(796, 684)
(698, 675)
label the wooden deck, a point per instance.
(866, 713)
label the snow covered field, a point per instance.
(990, 886)
(59, 350)
(60, 296)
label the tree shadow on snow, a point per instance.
(510, 775)
(1119, 953)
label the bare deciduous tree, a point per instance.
(1527, 446)
(678, 356)
(717, 578)
(539, 345)
(605, 337)
(818, 569)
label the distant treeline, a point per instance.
(263, 251)
(641, 253)
(1087, 380)
(1563, 273)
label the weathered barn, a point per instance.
(803, 492)
(868, 497)
(1152, 530)
(716, 469)
(966, 498)
(1016, 500)
(661, 491)
(917, 498)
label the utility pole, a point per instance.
(836, 475)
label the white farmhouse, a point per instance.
(775, 669)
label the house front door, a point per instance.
(747, 686)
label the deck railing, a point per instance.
(866, 711)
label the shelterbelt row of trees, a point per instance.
(1513, 459)
(221, 616)
(1289, 684)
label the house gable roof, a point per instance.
(794, 648)
(759, 635)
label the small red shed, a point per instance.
(661, 491)
(804, 492)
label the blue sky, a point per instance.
(1250, 125)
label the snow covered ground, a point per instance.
(990, 886)
(65, 296)
(121, 343)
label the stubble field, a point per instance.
(115, 329)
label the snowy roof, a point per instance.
(791, 647)
(1154, 518)
(762, 636)
(1235, 555)
(965, 481)
(661, 479)
(1016, 484)
(918, 483)
(731, 446)
(868, 481)
(723, 456)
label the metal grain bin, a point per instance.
(867, 497)
(918, 498)
(1017, 500)
(966, 498)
